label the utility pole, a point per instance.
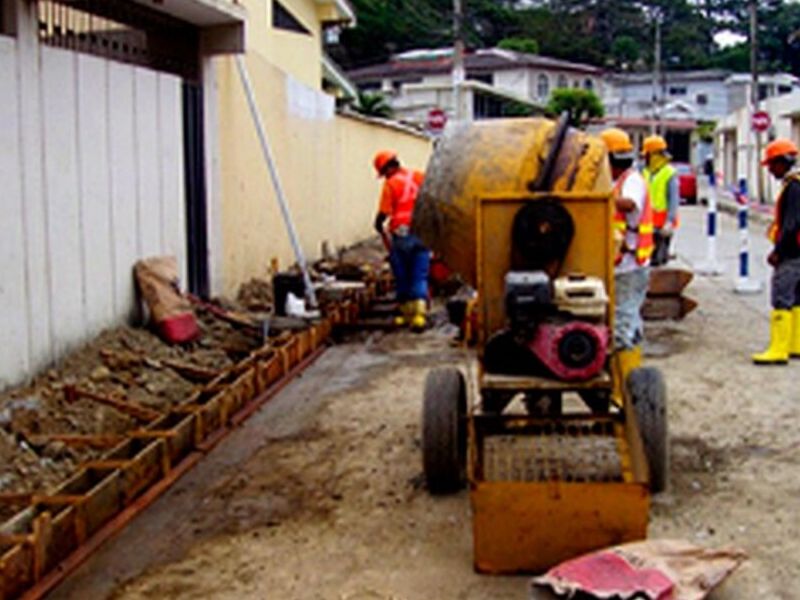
(459, 73)
(754, 100)
(656, 126)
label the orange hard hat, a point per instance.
(383, 158)
(653, 143)
(617, 141)
(778, 148)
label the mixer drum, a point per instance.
(492, 158)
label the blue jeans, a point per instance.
(631, 291)
(410, 261)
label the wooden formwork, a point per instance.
(57, 530)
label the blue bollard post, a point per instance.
(711, 265)
(744, 284)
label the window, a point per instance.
(7, 17)
(283, 19)
(784, 89)
(543, 86)
(588, 84)
(701, 99)
(677, 90)
(562, 81)
(487, 78)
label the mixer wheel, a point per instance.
(444, 431)
(649, 396)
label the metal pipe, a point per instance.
(276, 182)
(459, 72)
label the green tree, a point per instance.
(372, 105)
(527, 45)
(581, 105)
(625, 51)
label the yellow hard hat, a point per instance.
(617, 141)
(653, 144)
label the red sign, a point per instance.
(760, 121)
(437, 119)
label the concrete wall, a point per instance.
(324, 161)
(735, 154)
(91, 161)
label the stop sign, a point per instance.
(760, 121)
(437, 119)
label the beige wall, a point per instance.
(295, 53)
(324, 162)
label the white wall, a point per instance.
(91, 163)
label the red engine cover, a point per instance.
(573, 351)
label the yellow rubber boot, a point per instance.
(780, 328)
(404, 317)
(419, 309)
(794, 341)
(623, 362)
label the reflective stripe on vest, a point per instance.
(658, 187)
(644, 230)
(402, 202)
(775, 226)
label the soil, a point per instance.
(124, 362)
(135, 365)
(330, 505)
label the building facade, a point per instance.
(127, 135)
(417, 81)
(695, 95)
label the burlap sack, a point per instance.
(157, 278)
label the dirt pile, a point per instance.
(126, 363)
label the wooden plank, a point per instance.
(515, 382)
(173, 198)
(14, 316)
(64, 226)
(666, 281)
(95, 189)
(148, 172)
(124, 214)
(660, 308)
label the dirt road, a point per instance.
(319, 496)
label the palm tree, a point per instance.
(373, 104)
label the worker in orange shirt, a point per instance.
(409, 258)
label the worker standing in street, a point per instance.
(409, 258)
(780, 157)
(663, 187)
(633, 229)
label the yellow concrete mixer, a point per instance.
(560, 442)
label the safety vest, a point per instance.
(644, 230)
(775, 226)
(658, 187)
(404, 188)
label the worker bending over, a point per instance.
(409, 258)
(663, 187)
(779, 157)
(633, 224)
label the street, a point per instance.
(319, 496)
